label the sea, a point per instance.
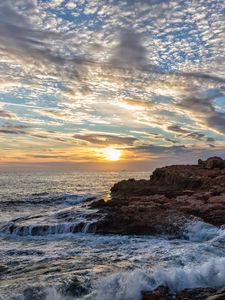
(49, 250)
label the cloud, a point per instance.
(14, 129)
(105, 139)
(49, 156)
(138, 103)
(32, 47)
(129, 52)
(161, 149)
(188, 134)
(133, 2)
(101, 69)
(202, 107)
(6, 114)
(177, 128)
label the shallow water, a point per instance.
(47, 252)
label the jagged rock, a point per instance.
(132, 219)
(34, 293)
(175, 180)
(212, 163)
(98, 204)
(3, 270)
(163, 293)
(171, 198)
(75, 288)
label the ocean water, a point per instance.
(49, 251)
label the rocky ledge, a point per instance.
(171, 198)
(163, 293)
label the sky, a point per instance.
(143, 80)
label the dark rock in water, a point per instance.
(75, 288)
(163, 293)
(171, 198)
(34, 293)
(98, 204)
(195, 294)
(3, 270)
(134, 219)
(40, 194)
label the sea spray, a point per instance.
(200, 231)
(52, 294)
(129, 285)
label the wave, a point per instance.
(70, 199)
(48, 199)
(60, 221)
(47, 229)
(200, 232)
(129, 285)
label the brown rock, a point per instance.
(171, 198)
(216, 297)
(163, 293)
(212, 163)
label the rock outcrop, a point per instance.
(171, 198)
(207, 175)
(163, 293)
(212, 163)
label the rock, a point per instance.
(195, 294)
(212, 163)
(75, 288)
(3, 270)
(34, 293)
(175, 180)
(163, 293)
(188, 192)
(216, 297)
(173, 197)
(98, 204)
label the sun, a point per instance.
(112, 154)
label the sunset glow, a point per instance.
(112, 154)
(81, 76)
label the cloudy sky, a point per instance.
(145, 78)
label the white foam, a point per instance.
(86, 227)
(71, 199)
(128, 285)
(201, 232)
(52, 294)
(46, 230)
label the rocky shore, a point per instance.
(163, 293)
(173, 197)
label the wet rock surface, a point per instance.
(163, 293)
(173, 197)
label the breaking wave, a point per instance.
(46, 230)
(204, 232)
(129, 285)
(46, 198)
(56, 221)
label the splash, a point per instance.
(129, 285)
